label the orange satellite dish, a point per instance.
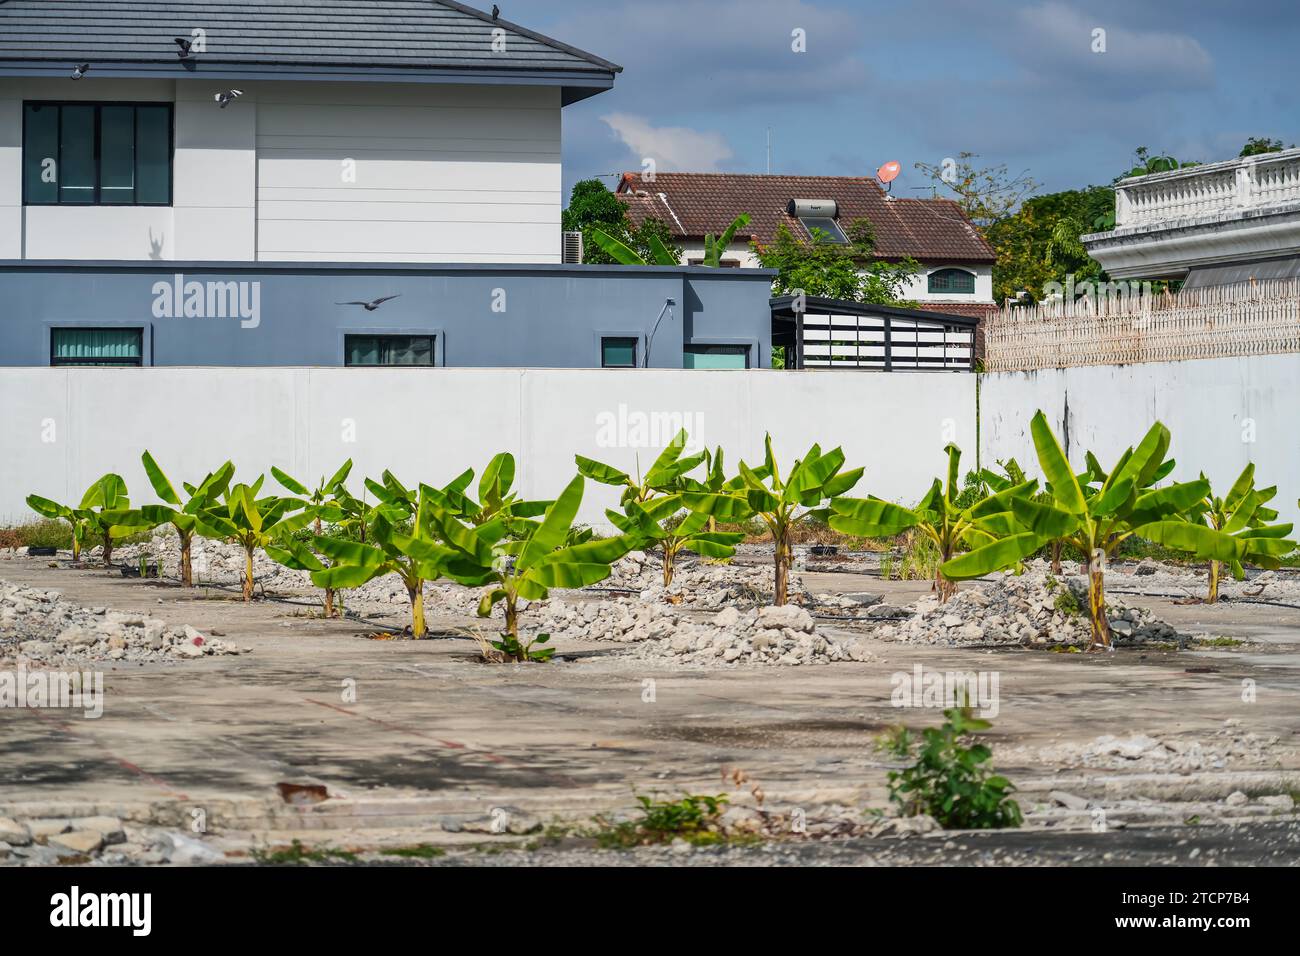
(889, 172)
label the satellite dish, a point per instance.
(889, 172)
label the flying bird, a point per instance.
(185, 44)
(79, 71)
(371, 306)
(228, 97)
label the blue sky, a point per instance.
(1016, 82)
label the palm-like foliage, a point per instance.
(254, 522)
(715, 249)
(938, 516)
(107, 513)
(48, 508)
(523, 558)
(778, 502)
(323, 504)
(1096, 512)
(651, 505)
(1243, 515)
(185, 517)
(624, 254)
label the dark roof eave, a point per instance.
(782, 307)
(577, 84)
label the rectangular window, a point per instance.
(97, 154)
(715, 356)
(379, 350)
(618, 352)
(82, 346)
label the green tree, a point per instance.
(593, 208)
(1258, 145)
(836, 270)
(985, 194)
(1039, 243)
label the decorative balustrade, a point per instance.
(1249, 318)
(1234, 185)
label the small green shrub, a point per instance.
(694, 818)
(1067, 603)
(950, 780)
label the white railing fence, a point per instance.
(1249, 318)
(1251, 182)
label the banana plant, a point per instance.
(1096, 515)
(415, 557)
(254, 522)
(496, 495)
(779, 503)
(1242, 514)
(653, 523)
(523, 558)
(323, 503)
(1013, 474)
(106, 509)
(714, 249)
(185, 518)
(937, 517)
(624, 254)
(47, 508)
(321, 497)
(651, 504)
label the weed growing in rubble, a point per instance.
(694, 818)
(1067, 603)
(421, 851)
(951, 780)
(298, 855)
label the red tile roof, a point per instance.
(693, 204)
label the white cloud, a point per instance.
(671, 147)
(1057, 41)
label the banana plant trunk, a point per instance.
(512, 615)
(781, 542)
(416, 593)
(76, 547)
(329, 602)
(944, 589)
(1216, 570)
(187, 568)
(248, 575)
(1101, 636)
(1056, 556)
(108, 549)
(670, 558)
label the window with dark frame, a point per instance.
(618, 351)
(79, 345)
(715, 356)
(952, 282)
(374, 351)
(97, 154)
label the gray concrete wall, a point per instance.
(1221, 413)
(483, 316)
(62, 428)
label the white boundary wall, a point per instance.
(60, 429)
(1222, 413)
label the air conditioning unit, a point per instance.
(572, 250)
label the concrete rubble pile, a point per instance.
(768, 635)
(40, 626)
(1035, 608)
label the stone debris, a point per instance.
(1227, 748)
(1033, 608)
(700, 584)
(785, 635)
(41, 626)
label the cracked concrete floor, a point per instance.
(435, 731)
